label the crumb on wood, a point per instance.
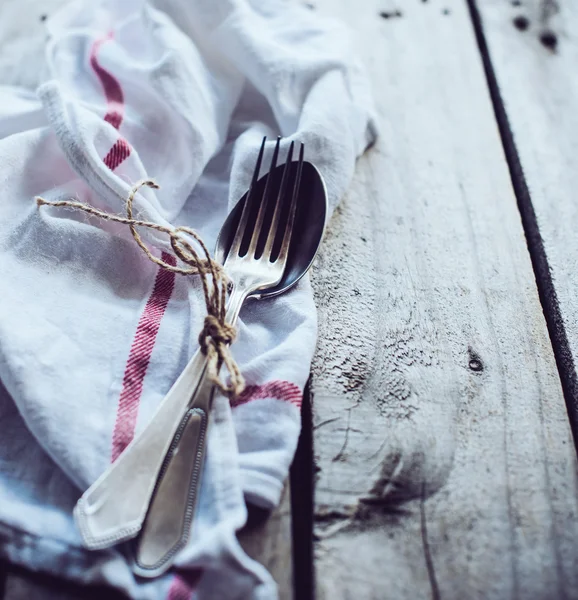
(549, 40)
(521, 23)
(391, 14)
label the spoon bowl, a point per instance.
(309, 226)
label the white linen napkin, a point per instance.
(92, 335)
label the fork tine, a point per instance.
(278, 205)
(242, 226)
(264, 202)
(283, 252)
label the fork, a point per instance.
(255, 262)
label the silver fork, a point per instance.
(249, 271)
(255, 263)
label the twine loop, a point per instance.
(217, 335)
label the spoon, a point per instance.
(114, 508)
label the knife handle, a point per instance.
(113, 509)
(168, 522)
(115, 506)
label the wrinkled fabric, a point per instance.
(92, 334)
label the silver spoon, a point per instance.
(114, 508)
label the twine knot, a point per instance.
(217, 335)
(216, 332)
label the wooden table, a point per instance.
(436, 459)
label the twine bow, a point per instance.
(217, 335)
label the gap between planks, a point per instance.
(536, 249)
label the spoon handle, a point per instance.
(113, 509)
(172, 508)
(170, 516)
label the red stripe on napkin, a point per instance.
(148, 325)
(112, 89)
(119, 152)
(184, 585)
(280, 390)
(139, 358)
(114, 105)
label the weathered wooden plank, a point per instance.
(31, 586)
(267, 538)
(445, 462)
(19, 588)
(538, 93)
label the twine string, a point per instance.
(216, 335)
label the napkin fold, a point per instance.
(92, 334)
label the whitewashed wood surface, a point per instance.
(445, 466)
(444, 463)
